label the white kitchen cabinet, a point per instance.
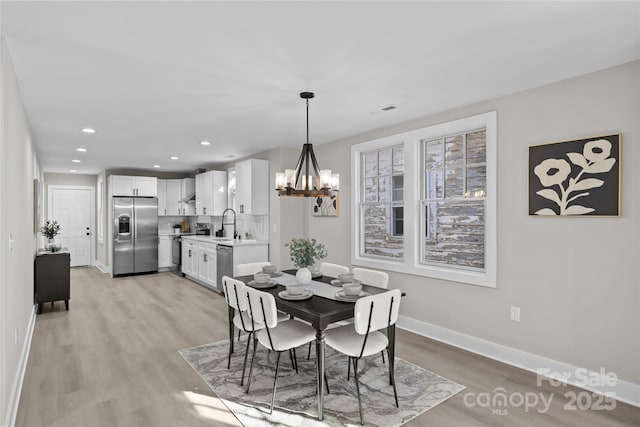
(164, 252)
(211, 193)
(122, 185)
(207, 264)
(174, 197)
(162, 197)
(190, 258)
(252, 187)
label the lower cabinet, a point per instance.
(164, 252)
(207, 264)
(199, 261)
(189, 258)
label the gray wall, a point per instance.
(18, 168)
(575, 279)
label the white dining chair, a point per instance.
(379, 279)
(364, 338)
(277, 335)
(250, 268)
(236, 297)
(332, 270)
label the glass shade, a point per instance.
(325, 178)
(280, 180)
(335, 181)
(290, 177)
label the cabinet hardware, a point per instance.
(189, 253)
(205, 257)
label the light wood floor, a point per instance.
(112, 360)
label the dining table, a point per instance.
(320, 312)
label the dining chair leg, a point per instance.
(382, 353)
(246, 353)
(253, 357)
(230, 351)
(275, 381)
(393, 379)
(355, 374)
(293, 363)
(309, 352)
(326, 383)
(295, 358)
(349, 369)
(239, 335)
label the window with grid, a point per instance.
(453, 200)
(425, 201)
(382, 203)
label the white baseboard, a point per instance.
(625, 391)
(16, 390)
(100, 266)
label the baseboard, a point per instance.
(100, 266)
(625, 391)
(14, 399)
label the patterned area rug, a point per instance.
(296, 400)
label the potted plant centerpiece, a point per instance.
(50, 230)
(304, 254)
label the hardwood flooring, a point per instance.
(112, 360)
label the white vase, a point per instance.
(303, 275)
(51, 243)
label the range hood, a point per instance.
(190, 198)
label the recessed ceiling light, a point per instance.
(229, 156)
(88, 130)
(174, 158)
(76, 161)
(156, 166)
(73, 170)
(205, 143)
(82, 150)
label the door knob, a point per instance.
(88, 234)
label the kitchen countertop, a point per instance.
(225, 242)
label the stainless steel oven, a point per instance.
(176, 255)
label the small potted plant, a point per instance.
(304, 254)
(50, 230)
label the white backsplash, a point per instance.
(256, 225)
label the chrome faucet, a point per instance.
(235, 227)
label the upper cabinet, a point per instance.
(211, 193)
(252, 187)
(173, 195)
(121, 185)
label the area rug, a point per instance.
(296, 399)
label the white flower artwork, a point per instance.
(575, 178)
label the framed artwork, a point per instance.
(580, 177)
(325, 206)
(37, 205)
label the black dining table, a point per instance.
(320, 312)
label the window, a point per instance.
(381, 203)
(426, 201)
(453, 198)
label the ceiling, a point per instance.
(156, 78)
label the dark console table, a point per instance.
(51, 277)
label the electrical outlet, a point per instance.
(515, 313)
(11, 241)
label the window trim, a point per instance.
(411, 142)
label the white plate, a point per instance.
(337, 282)
(306, 294)
(270, 284)
(340, 296)
(276, 274)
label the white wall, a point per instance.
(575, 279)
(18, 168)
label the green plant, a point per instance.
(50, 229)
(305, 252)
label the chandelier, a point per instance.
(300, 182)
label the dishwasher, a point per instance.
(224, 266)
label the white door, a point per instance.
(72, 209)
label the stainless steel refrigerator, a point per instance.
(135, 235)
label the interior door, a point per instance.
(72, 209)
